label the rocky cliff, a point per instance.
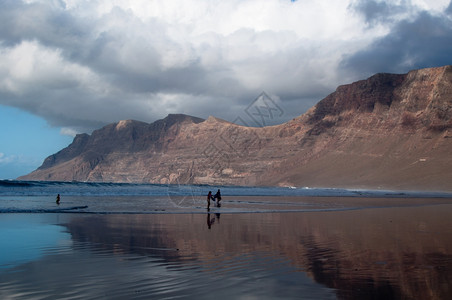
(388, 131)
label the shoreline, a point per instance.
(148, 205)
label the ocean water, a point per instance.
(104, 198)
(138, 241)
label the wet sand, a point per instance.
(380, 251)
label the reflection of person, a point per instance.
(218, 197)
(209, 196)
(58, 199)
(210, 221)
(218, 217)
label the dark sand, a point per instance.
(378, 252)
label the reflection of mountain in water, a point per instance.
(383, 253)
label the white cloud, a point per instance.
(81, 64)
(68, 131)
(30, 66)
(434, 6)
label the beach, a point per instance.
(385, 249)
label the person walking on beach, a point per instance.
(217, 197)
(209, 196)
(58, 199)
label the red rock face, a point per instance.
(388, 131)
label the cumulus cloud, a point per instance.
(421, 39)
(82, 64)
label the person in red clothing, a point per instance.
(209, 196)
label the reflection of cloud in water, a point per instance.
(27, 238)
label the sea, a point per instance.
(129, 198)
(154, 241)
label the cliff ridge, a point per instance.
(388, 131)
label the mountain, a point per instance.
(388, 131)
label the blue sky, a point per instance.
(72, 66)
(26, 140)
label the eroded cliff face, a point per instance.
(388, 131)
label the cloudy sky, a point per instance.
(71, 66)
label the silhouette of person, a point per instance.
(210, 221)
(218, 197)
(218, 217)
(209, 196)
(58, 199)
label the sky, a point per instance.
(73, 66)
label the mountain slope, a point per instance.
(388, 131)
